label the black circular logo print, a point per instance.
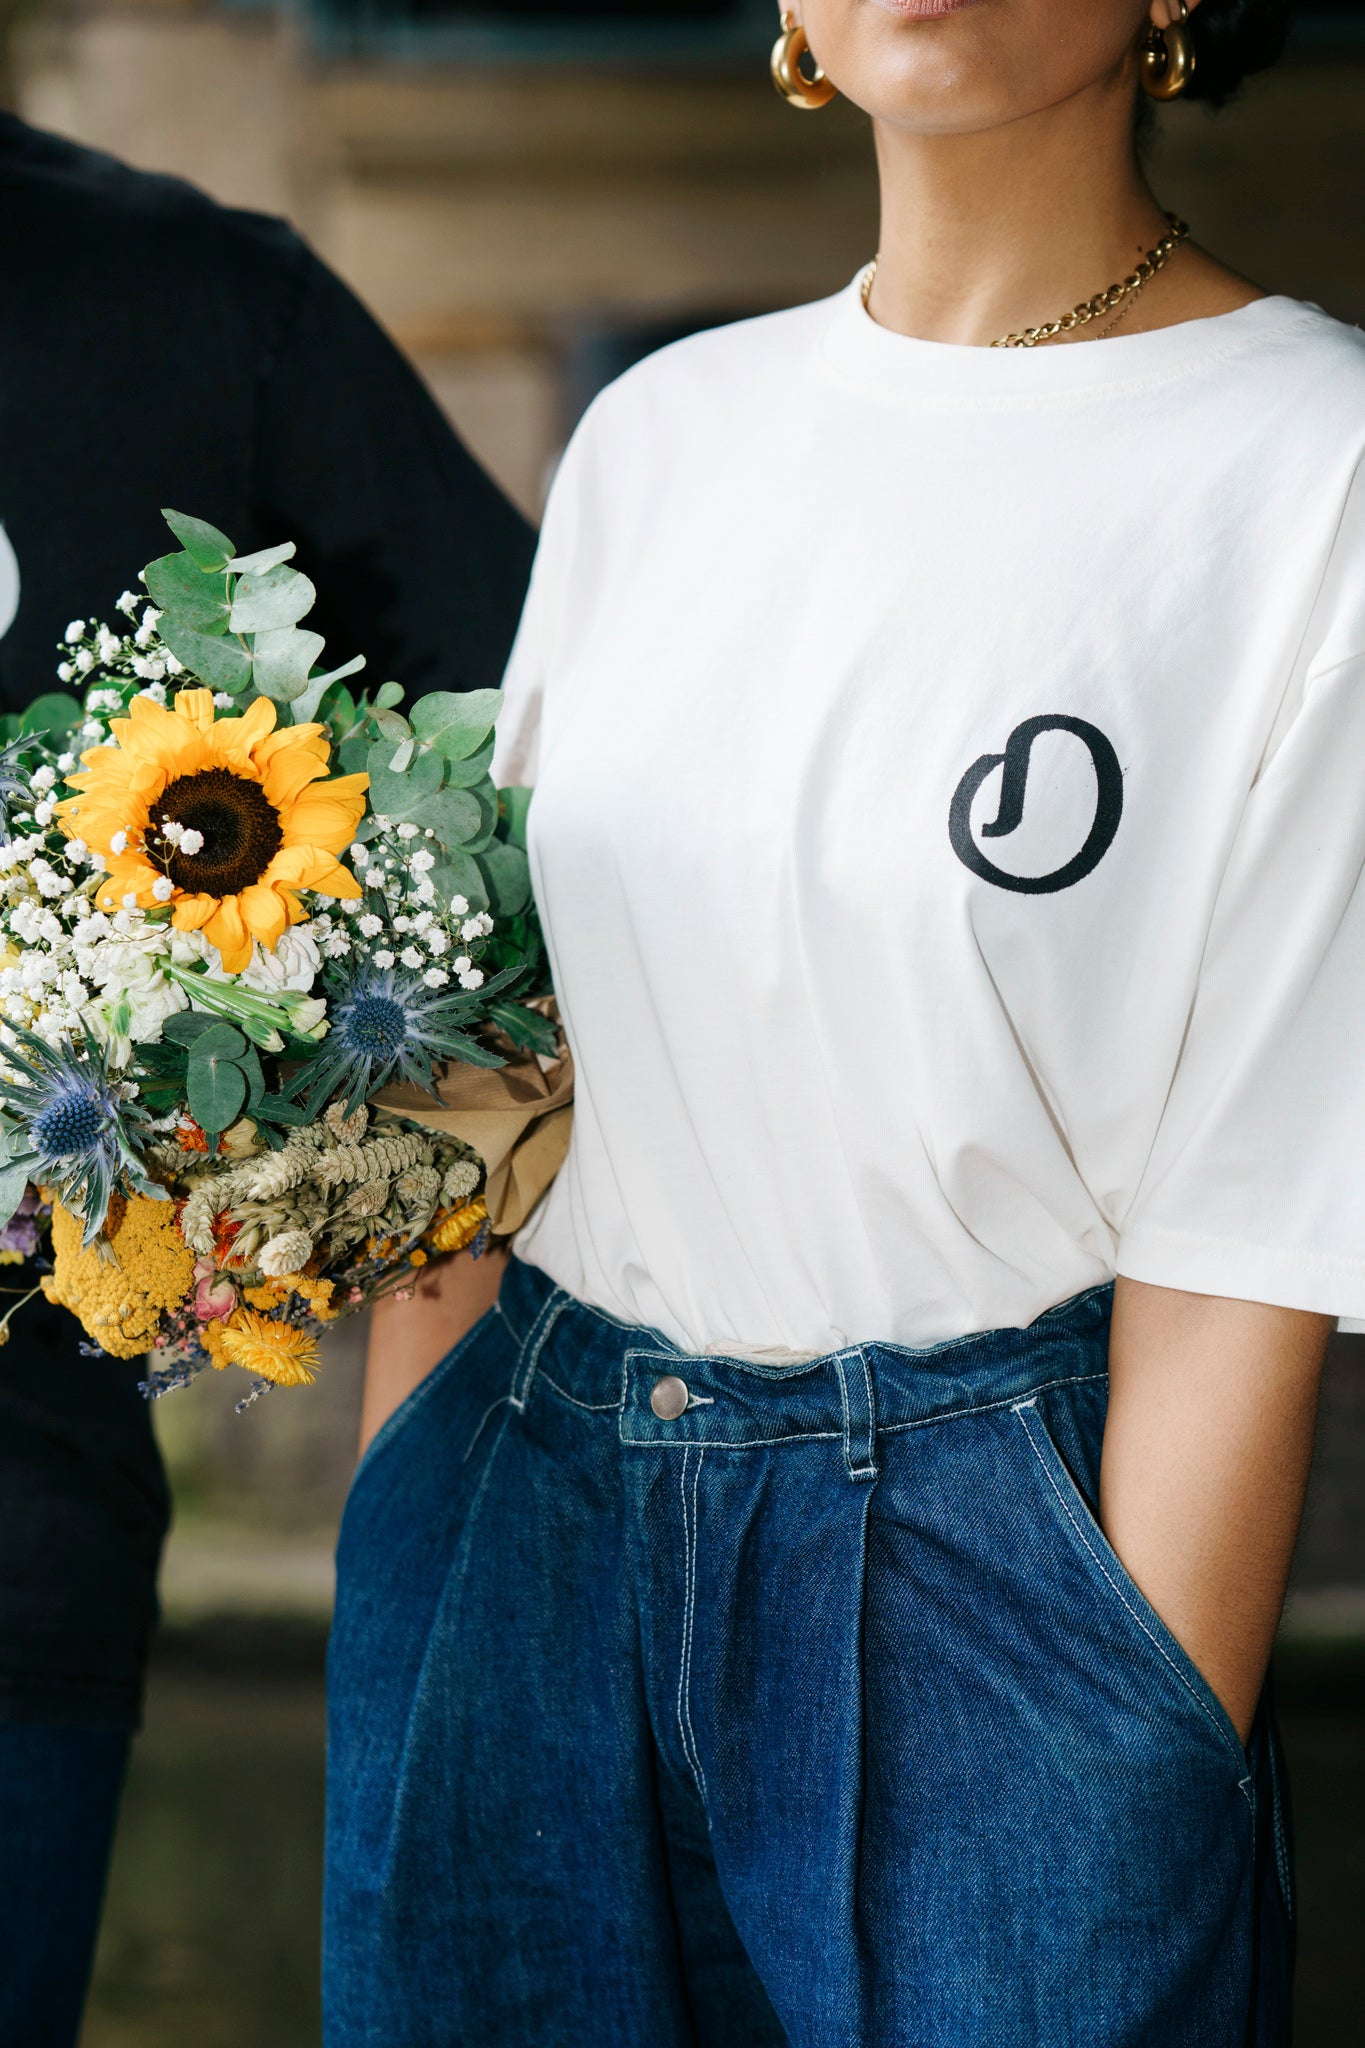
(1014, 781)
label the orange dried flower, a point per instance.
(453, 1229)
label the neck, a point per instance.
(984, 234)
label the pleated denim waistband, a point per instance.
(613, 1369)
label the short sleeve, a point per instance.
(1255, 1188)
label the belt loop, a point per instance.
(529, 1356)
(860, 1413)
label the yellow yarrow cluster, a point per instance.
(120, 1300)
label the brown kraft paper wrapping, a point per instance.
(517, 1118)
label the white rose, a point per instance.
(126, 964)
(187, 949)
(151, 1006)
(293, 964)
(134, 1017)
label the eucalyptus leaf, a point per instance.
(178, 586)
(507, 873)
(337, 705)
(209, 548)
(255, 1078)
(459, 874)
(187, 1025)
(304, 707)
(402, 757)
(354, 753)
(219, 1042)
(215, 1090)
(263, 604)
(53, 712)
(13, 1181)
(464, 774)
(281, 660)
(263, 559)
(222, 663)
(513, 804)
(456, 723)
(393, 796)
(454, 815)
(387, 695)
(390, 725)
(487, 799)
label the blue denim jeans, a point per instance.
(683, 1700)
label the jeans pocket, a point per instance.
(412, 1404)
(1078, 1524)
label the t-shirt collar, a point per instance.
(857, 350)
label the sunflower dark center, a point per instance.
(376, 1025)
(71, 1124)
(239, 825)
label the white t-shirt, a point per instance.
(949, 825)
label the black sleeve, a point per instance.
(421, 564)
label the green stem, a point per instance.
(263, 1021)
(4, 1319)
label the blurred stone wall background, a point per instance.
(525, 215)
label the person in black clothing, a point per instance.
(157, 349)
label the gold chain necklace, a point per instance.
(1089, 309)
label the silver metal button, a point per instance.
(670, 1397)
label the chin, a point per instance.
(966, 65)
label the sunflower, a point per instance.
(242, 797)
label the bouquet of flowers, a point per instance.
(238, 903)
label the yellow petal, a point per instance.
(152, 737)
(232, 739)
(195, 707)
(226, 930)
(128, 875)
(327, 814)
(192, 913)
(311, 739)
(309, 867)
(264, 914)
(288, 773)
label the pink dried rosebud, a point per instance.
(214, 1295)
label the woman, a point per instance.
(828, 1598)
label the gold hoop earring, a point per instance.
(806, 94)
(1168, 57)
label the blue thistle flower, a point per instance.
(80, 1130)
(387, 1025)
